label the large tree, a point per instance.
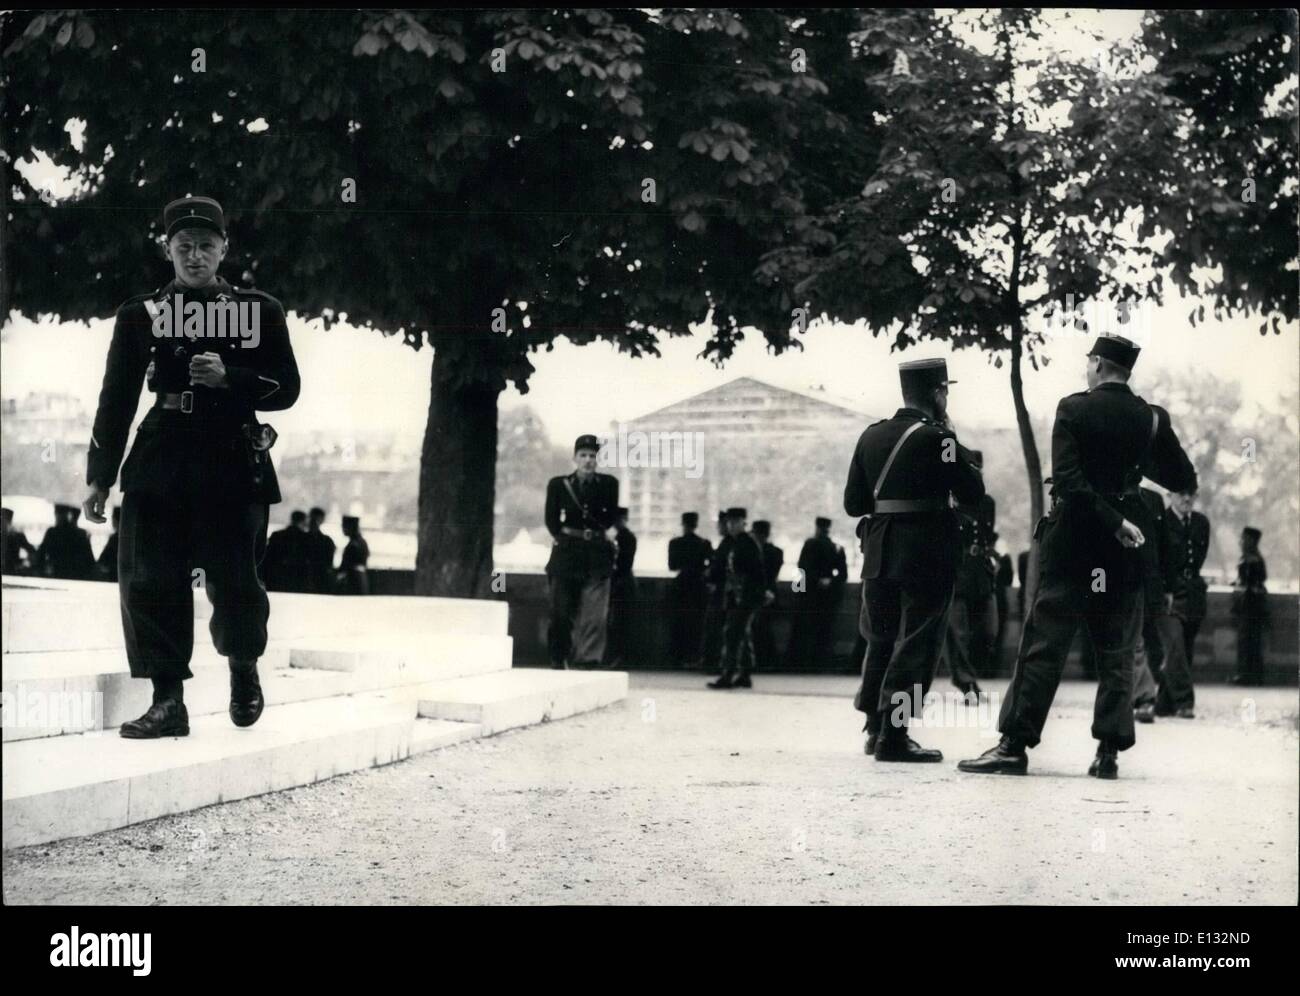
(593, 174)
(1015, 183)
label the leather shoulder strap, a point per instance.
(889, 461)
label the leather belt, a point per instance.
(183, 402)
(902, 506)
(586, 534)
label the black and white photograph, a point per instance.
(689, 457)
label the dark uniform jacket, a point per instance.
(978, 568)
(717, 575)
(625, 556)
(15, 543)
(773, 561)
(689, 555)
(206, 447)
(1104, 440)
(1187, 544)
(1154, 553)
(922, 547)
(596, 508)
(65, 553)
(746, 572)
(821, 557)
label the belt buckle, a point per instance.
(587, 534)
(187, 402)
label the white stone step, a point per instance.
(38, 616)
(75, 785)
(73, 691)
(505, 700)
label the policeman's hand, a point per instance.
(1129, 535)
(769, 597)
(93, 506)
(148, 374)
(208, 370)
(823, 582)
(1169, 602)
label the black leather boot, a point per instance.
(742, 681)
(895, 745)
(722, 681)
(1106, 763)
(165, 718)
(245, 693)
(1007, 758)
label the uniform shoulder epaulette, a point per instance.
(136, 299)
(254, 292)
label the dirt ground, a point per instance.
(682, 795)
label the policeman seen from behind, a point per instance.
(745, 593)
(689, 555)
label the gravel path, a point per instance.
(681, 795)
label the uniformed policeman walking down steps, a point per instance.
(198, 482)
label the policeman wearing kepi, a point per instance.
(198, 482)
(581, 509)
(904, 473)
(1104, 440)
(689, 555)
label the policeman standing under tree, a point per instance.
(622, 592)
(716, 583)
(689, 555)
(746, 592)
(65, 551)
(824, 567)
(904, 473)
(773, 561)
(354, 579)
(580, 511)
(198, 482)
(1104, 440)
(1250, 608)
(1186, 542)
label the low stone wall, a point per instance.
(1216, 645)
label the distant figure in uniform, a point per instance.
(1186, 542)
(622, 592)
(284, 566)
(745, 593)
(106, 566)
(1104, 440)
(353, 577)
(580, 510)
(1150, 653)
(904, 472)
(716, 583)
(320, 555)
(198, 482)
(65, 551)
(773, 561)
(20, 557)
(1250, 609)
(689, 555)
(972, 620)
(825, 570)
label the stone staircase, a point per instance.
(350, 683)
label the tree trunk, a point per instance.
(1033, 466)
(457, 487)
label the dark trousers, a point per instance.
(1191, 626)
(1148, 658)
(1252, 620)
(715, 619)
(905, 625)
(580, 603)
(764, 639)
(1175, 677)
(167, 548)
(1112, 620)
(622, 609)
(738, 639)
(972, 628)
(688, 602)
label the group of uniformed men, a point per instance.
(198, 483)
(300, 557)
